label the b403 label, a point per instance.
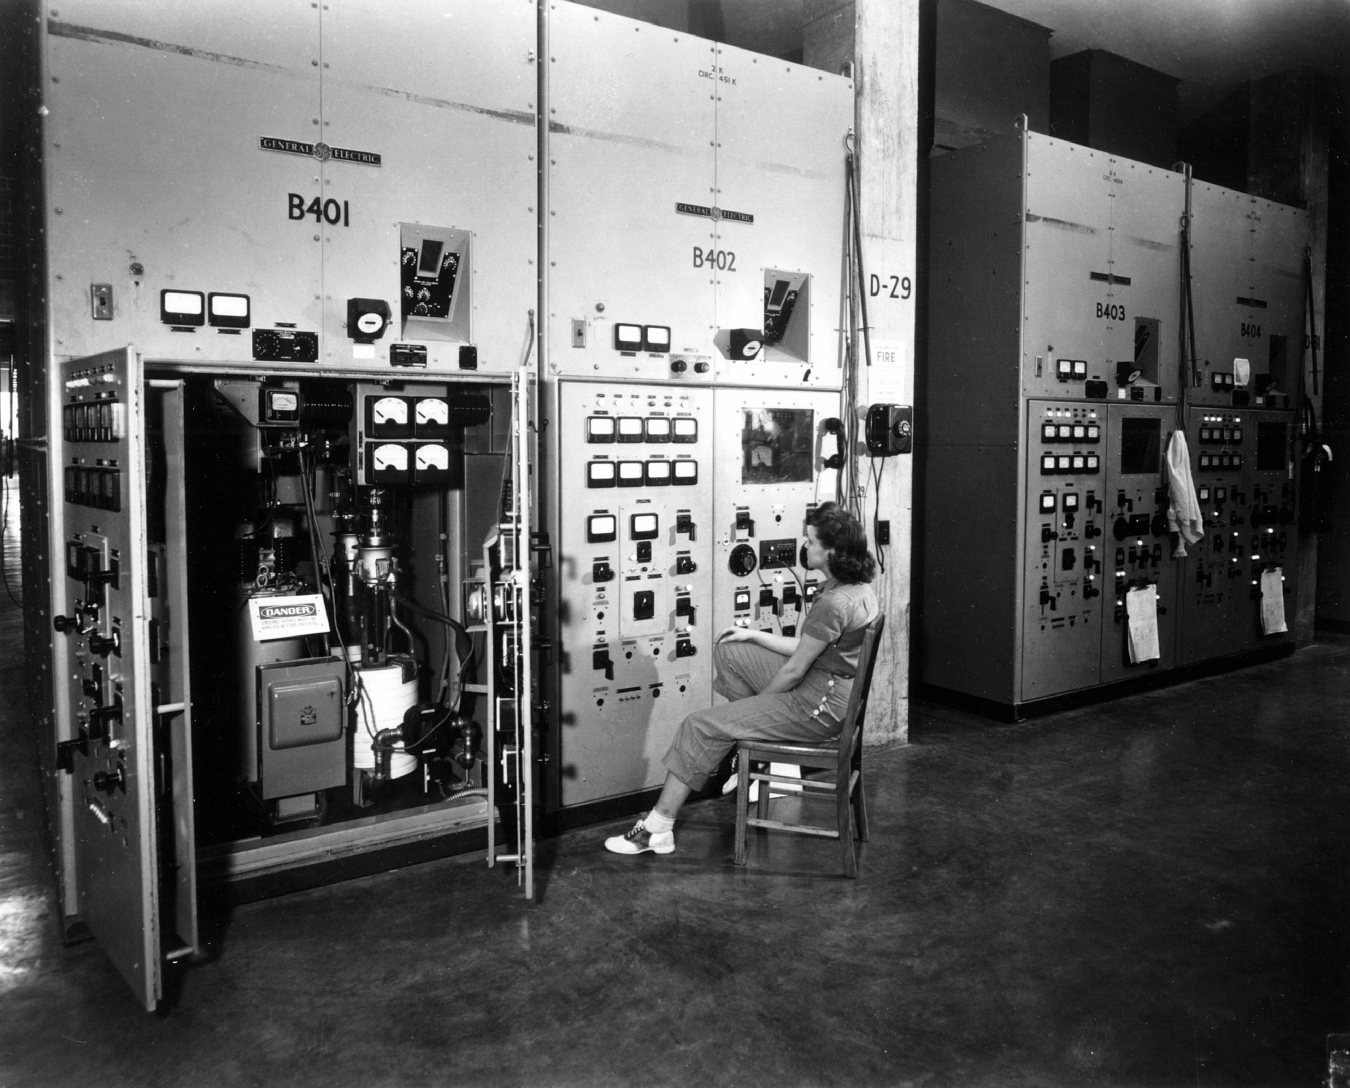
(1111, 311)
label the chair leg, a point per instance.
(742, 806)
(846, 832)
(762, 807)
(860, 807)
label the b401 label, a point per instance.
(333, 212)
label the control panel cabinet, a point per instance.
(1248, 291)
(636, 546)
(1138, 549)
(1062, 601)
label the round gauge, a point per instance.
(434, 458)
(390, 457)
(433, 411)
(390, 410)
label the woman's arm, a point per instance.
(779, 644)
(796, 667)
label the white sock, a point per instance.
(655, 822)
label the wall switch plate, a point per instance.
(101, 301)
(883, 533)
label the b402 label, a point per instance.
(724, 260)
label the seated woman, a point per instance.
(781, 688)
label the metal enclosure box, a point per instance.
(694, 176)
(1248, 292)
(286, 143)
(302, 735)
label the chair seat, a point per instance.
(841, 757)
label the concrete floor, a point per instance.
(1150, 892)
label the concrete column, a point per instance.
(884, 48)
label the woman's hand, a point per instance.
(734, 634)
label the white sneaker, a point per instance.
(640, 841)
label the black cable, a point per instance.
(876, 508)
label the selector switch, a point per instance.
(601, 661)
(685, 564)
(684, 523)
(644, 604)
(601, 571)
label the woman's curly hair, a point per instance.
(843, 535)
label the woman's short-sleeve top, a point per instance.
(839, 617)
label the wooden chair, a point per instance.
(842, 756)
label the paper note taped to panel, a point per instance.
(1141, 611)
(1272, 602)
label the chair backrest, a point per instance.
(862, 685)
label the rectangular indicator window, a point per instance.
(1064, 463)
(1204, 434)
(1202, 494)
(1140, 445)
(1271, 439)
(1078, 463)
(1226, 461)
(600, 429)
(643, 526)
(686, 430)
(1220, 494)
(1237, 434)
(686, 472)
(1071, 500)
(601, 528)
(1093, 462)
(1204, 460)
(227, 311)
(1094, 433)
(778, 295)
(630, 429)
(1064, 368)
(601, 474)
(1047, 502)
(1049, 432)
(630, 474)
(1079, 432)
(1047, 464)
(656, 337)
(429, 259)
(658, 473)
(1065, 432)
(182, 307)
(1080, 368)
(627, 337)
(1237, 460)
(658, 429)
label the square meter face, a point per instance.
(778, 445)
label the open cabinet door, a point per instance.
(123, 654)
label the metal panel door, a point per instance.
(1071, 303)
(128, 747)
(1062, 553)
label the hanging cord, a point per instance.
(1312, 318)
(859, 279)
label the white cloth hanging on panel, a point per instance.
(1183, 509)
